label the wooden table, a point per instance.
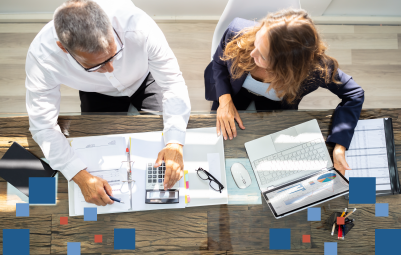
(224, 229)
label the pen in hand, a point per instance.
(115, 199)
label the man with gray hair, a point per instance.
(115, 55)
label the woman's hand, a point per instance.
(339, 159)
(226, 113)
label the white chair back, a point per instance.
(248, 9)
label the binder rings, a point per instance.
(18, 164)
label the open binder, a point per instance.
(377, 129)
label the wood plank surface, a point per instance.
(161, 230)
(39, 231)
(223, 229)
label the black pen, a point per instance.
(115, 199)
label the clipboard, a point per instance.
(18, 164)
(392, 162)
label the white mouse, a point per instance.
(240, 175)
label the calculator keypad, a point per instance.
(156, 174)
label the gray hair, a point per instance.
(83, 25)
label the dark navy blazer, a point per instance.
(218, 82)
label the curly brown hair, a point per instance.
(295, 51)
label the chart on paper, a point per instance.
(367, 153)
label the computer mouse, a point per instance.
(240, 175)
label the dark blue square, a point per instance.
(22, 210)
(280, 239)
(15, 241)
(90, 214)
(124, 239)
(387, 241)
(362, 190)
(73, 248)
(42, 190)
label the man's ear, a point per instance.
(61, 46)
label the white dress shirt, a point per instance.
(145, 50)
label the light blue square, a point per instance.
(330, 248)
(90, 214)
(22, 210)
(381, 210)
(314, 214)
(73, 248)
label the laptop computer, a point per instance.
(290, 156)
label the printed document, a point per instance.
(367, 154)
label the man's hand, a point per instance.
(339, 159)
(93, 188)
(172, 156)
(226, 114)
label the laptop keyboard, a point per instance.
(307, 156)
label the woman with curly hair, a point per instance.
(275, 63)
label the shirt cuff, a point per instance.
(174, 136)
(73, 168)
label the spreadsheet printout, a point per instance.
(367, 154)
(320, 186)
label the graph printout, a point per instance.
(320, 186)
(367, 154)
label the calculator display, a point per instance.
(161, 195)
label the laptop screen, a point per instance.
(322, 186)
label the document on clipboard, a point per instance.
(106, 157)
(372, 154)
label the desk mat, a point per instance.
(237, 196)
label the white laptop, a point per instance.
(289, 157)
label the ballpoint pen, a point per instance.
(115, 199)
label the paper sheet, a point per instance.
(367, 154)
(144, 149)
(104, 157)
(213, 160)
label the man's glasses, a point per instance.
(97, 67)
(214, 183)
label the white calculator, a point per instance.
(155, 193)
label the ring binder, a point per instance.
(129, 177)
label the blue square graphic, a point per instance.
(314, 214)
(124, 239)
(73, 248)
(330, 248)
(362, 190)
(15, 241)
(280, 239)
(22, 210)
(90, 214)
(387, 241)
(381, 210)
(42, 190)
